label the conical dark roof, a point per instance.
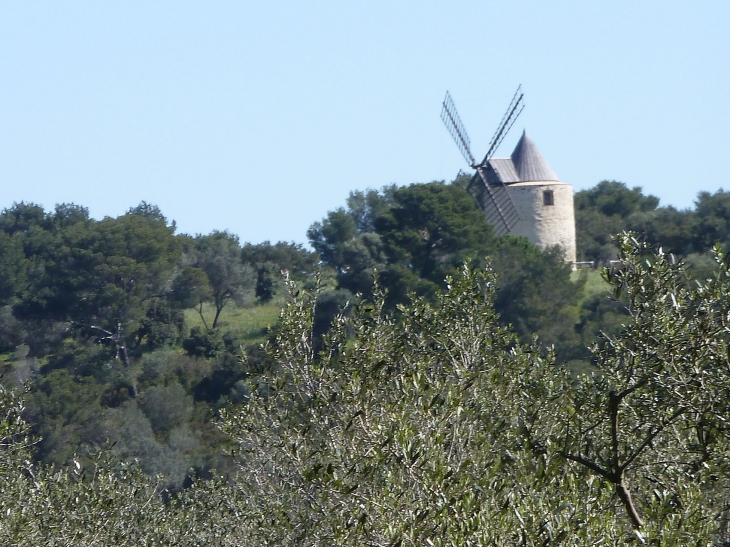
(529, 163)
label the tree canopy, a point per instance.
(420, 410)
(416, 236)
(83, 305)
(611, 207)
(435, 427)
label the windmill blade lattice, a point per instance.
(495, 202)
(492, 198)
(508, 120)
(451, 120)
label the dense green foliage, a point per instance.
(418, 235)
(92, 314)
(417, 416)
(270, 261)
(610, 208)
(435, 427)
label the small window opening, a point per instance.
(548, 198)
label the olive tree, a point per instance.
(652, 423)
(439, 428)
(105, 502)
(406, 432)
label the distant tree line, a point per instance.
(611, 207)
(92, 314)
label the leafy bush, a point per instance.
(206, 343)
(166, 406)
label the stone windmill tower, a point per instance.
(520, 195)
(543, 203)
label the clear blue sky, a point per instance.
(259, 117)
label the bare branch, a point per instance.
(649, 438)
(590, 465)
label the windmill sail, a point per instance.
(452, 121)
(510, 117)
(490, 193)
(495, 202)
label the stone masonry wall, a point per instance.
(545, 225)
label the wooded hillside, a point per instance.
(135, 341)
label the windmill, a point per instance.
(490, 193)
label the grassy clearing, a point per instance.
(594, 283)
(251, 325)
